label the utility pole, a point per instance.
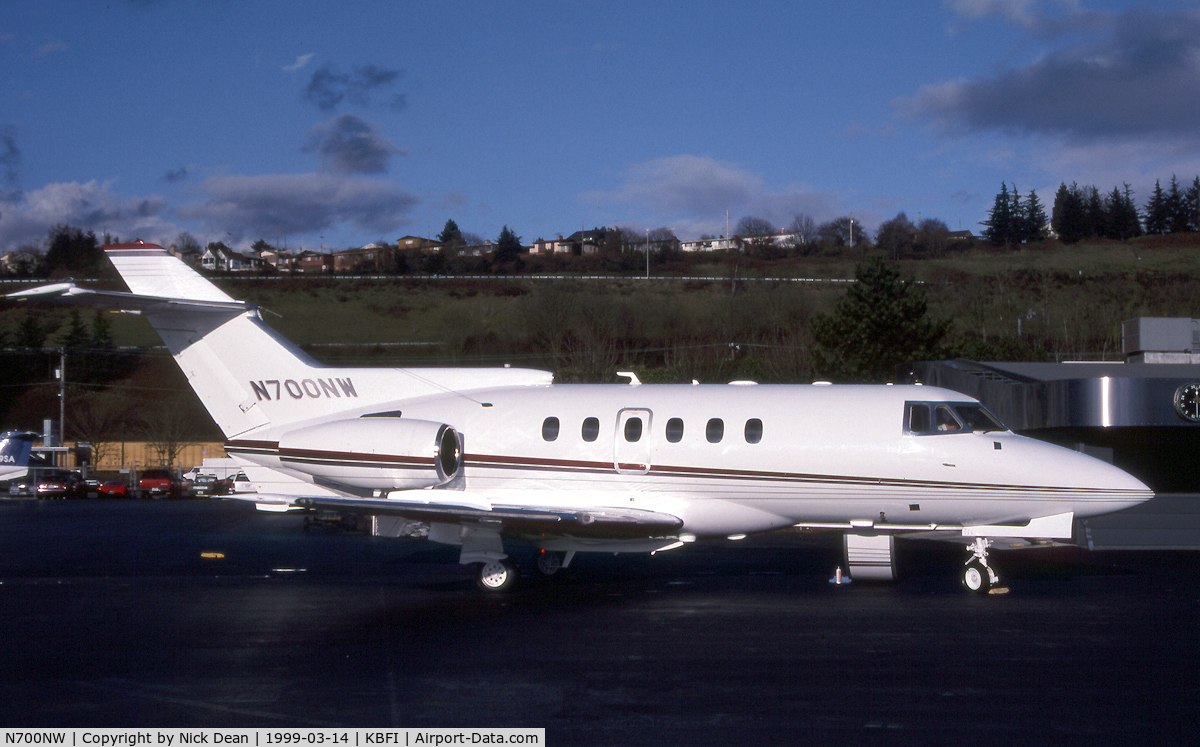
(62, 392)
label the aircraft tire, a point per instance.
(977, 578)
(497, 576)
(549, 563)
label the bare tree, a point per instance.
(751, 225)
(804, 232)
(100, 419)
(186, 243)
(166, 430)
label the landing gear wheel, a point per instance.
(497, 576)
(977, 577)
(549, 563)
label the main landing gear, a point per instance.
(497, 576)
(977, 575)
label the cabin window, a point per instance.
(715, 430)
(633, 430)
(550, 429)
(591, 429)
(675, 430)
(753, 431)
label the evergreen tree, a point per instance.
(1000, 219)
(1133, 219)
(1192, 200)
(1016, 212)
(1034, 217)
(450, 234)
(31, 335)
(1157, 211)
(1178, 212)
(1123, 220)
(77, 337)
(508, 247)
(1095, 217)
(879, 324)
(72, 252)
(102, 363)
(1068, 219)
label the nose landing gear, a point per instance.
(978, 576)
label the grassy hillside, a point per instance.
(1067, 301)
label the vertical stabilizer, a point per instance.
(220, 351)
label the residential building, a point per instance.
(220, 259)
(718, 244)
(416, 242)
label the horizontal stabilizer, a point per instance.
(72, 295)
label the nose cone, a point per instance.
(1097, 487)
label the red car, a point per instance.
(113, 489)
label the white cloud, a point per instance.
(26, 218)
(1138, 78)
(290, 204)
(300, 62)
(350, 145)
(691, 195)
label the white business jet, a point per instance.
(475, 456)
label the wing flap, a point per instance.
(604, 523)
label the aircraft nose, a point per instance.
(1108, 487)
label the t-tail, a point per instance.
(248, 376)
(15, 448)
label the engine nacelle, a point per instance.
(376, 453)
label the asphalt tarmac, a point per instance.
(208, 613)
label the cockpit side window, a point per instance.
(918, 418)
(924, 418)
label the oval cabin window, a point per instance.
(715, 431)
(591, 429)
(753, 431)
(675, 430)
(550, 429)
(633, 430)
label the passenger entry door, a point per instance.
(631, 448)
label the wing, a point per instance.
(597, 523)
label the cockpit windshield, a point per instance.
(978, 418)
(925, 418)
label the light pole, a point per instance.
(647, 253)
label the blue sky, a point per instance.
(310, 123)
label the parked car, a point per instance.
(160, 483)
(241, 484)
(208, 486)
(60, 485)
(113, 489)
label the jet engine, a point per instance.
(375, 453)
